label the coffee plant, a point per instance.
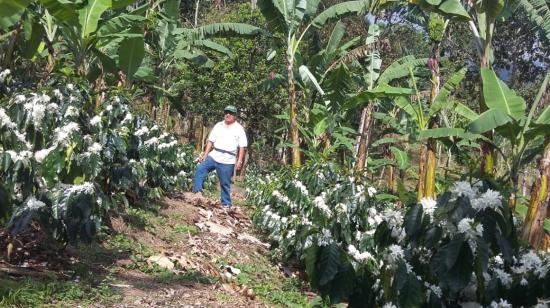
(360, 248)
(66, 165)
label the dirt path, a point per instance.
(220, 263)
(188, 253)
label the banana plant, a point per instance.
(507, 116)
(174, 44)
(290, 17)
(88, 30)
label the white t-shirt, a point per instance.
(227, 138)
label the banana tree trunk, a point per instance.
(422, 172)
(533, 230)
(296, 162)
(364, 138)
(487, 154)
(391, 173)
(8, 63)
(431, 147)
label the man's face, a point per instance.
(229, 117)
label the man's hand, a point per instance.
(203, 157)
(239, 165)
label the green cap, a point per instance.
(230, 108)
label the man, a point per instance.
(224, 149)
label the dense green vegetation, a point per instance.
(399, 150)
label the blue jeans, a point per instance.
(224, 171)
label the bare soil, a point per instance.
(197, 266)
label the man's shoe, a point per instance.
(226, 206)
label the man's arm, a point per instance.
(240, 158)
(207, 150)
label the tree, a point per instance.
(289, 17)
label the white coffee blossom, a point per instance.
(85, 188)
(291, 234)
(95, 121)
(464, 189)
(70, 87)
(36, 111)
(471, 231)
(5, 120)
(301, 187)
(20, 98)
(501, 304)
(168, 145)
(394, 254)
(371, 191)
(4, 74)
(528, 262)
(96, 148)
(52, 107)
(57, 93)
(40, 155)
(127, 119)
(151, 142)
(71, 112)
(359, 256)
(325, 238)
(504, 277)
(109, 108)
(33, 204)
(142, 131)
(428, 206)
(62, 134)
(319, 202)
(489, 199)
(431, 288)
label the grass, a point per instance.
(185, 229)
(48, 292)
(270, 286)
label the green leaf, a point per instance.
(538, 12)
(108, 63)
(172, 9)
(448, 87)
(493, 8)
(544, 117)
(37, 33)
(121, 23)
(454, 8)
(413, 220)
(329, 261)
(320, 127)
(89, 16)
(410, 293)
(61, 11)
(498, 96)
(230, 30)
(271, 55)
(337, 11)
(11, 11)
(446, 132)
(401, 158)
(209, 44)
(272, 10)
(547, 225)
(489, 120)
(335, 37)
(119, 4)
(307, 77)
(400, 68)
(130, 55)
(465, 111)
